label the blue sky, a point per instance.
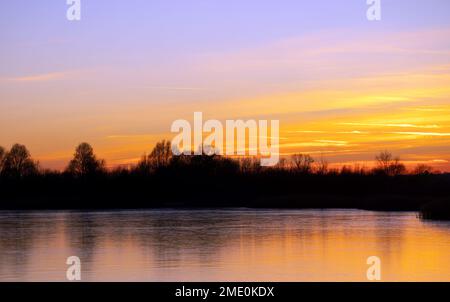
(36, 37)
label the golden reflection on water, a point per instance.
(223, 245)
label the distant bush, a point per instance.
(436, 210)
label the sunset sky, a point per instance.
(342, 87)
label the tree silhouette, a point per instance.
(2, 157)
(302, 162)
(321, 166)
(160, 156)
(18, 162)
(389, 165)
(167, 181)
(384, 160)
(422, 169)
(249, 165)
(85, 162)
(143, 166)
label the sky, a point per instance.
(342, 87)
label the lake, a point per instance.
(222, 245)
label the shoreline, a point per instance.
(427, 207)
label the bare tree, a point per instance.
(2, 157)
(143, 164)
(422, 169)
(322, 166)
(85, 162)
(384, 160)
(249, 165)
(282, 164)
(397, 168)
(346, 170)
(302, 162)
(389, 165)
(18, 162)
(161, 154)
(359, 169)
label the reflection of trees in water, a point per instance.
(175, 235)
(168, 235)
(201, 237)
(84, 233)
(171, 236)
(19, 233)
(389, 231)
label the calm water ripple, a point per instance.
(222, 245)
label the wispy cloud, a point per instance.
(176, 88)
(306, 131)
(392, 125)
(353, 132)
(40, 77)
(430, 109)
(443, 161)
(423, 133)
(318, 143)
(130, 136)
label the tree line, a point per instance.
(160, 179)
(18, 163)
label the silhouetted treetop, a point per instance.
(321, 166)
(2, 157)
(388, 165)
(423, 169)
(85, 162)
(160, 156)
(17, 162)
(302, 162)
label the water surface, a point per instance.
(222, 245)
